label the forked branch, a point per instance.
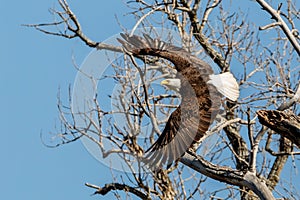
(281, 23)
(117, 186)
(72, 28)
(228, 175)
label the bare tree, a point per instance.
(248, 158)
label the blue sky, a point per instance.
(33, 66)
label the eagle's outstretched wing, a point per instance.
(183, 128)
(200, 98)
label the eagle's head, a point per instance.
(172, 84)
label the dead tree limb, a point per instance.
(117, 186)
(225, 174)
(279, 163)
(286, 124)
(281, 23)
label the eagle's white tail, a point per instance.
(226, 84)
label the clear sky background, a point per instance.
(32, 68)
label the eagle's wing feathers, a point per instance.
(179, 134)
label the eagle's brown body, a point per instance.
(200, 101)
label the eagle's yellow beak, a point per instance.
(164, 82)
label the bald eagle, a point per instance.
(201, 92)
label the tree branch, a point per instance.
(274, 175)
(286, 124)
(276, 16)
(72, 28)
(117, 186)
(228, 175)
(215, 56)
